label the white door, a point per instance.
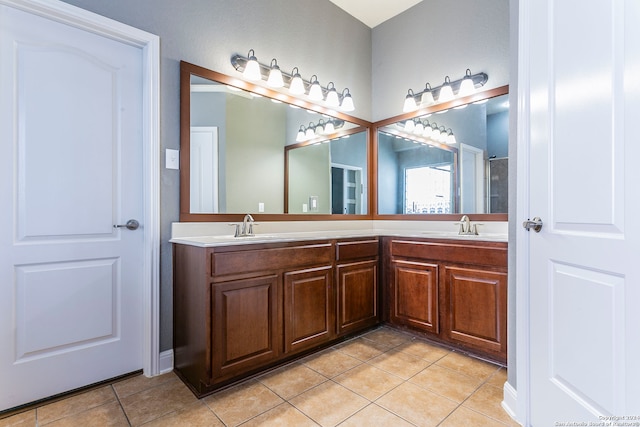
(579, 79)
(471, 179)
(203, 181)
(71, 285)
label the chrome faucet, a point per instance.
(247, 225)
(466, 228)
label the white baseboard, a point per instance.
(165, 364)
(510, 401)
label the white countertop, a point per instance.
(212, 240)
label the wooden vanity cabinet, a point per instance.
(357, 283)
(309, 308)
(414, 295)
(240, 309)
(452, 291)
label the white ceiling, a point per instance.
(374, 12)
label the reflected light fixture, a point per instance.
(448, 91)
(451, 139)
(310, 132)
(315, 91)
(275, 75)
(301, 134)
(329, 128)
(419, 128)
(409, 126)
(252, 69)
(313, 130)
(424, 129)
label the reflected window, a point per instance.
(428, 190)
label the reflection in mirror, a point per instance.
(454, 161)
(329, 177)
(236, 148)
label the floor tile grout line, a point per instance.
(120, 404)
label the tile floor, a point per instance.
(382, 378)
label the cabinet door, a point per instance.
(476, 303)
(244, 325)
(414, 295)
(357, 296)
(309, 317)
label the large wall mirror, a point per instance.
(236, 145)
(447, 160)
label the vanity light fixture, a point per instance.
(275, 75)
(426, 130)
(253, 70)
(448, 91)
(321, 128)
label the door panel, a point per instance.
(414, 295)
(85, 289)
(71, 131)
(309, 308)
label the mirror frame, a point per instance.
(186, 71)
(490, 93)
(338, 134)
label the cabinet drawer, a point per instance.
(355, 250)
(490, 255)
(270, 259)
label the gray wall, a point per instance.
(207, 33)
(435, 39)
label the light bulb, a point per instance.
(427, 96)
(300, 137)
(409, 102)
(347, 101)
(275, 75)
(409, 125)
(315, 91)
(466, 86)
(419, 128)
(427, 130)
(252, 68)
(332, 96)
(309, 133)
(446, 93)
(451, 139)
(296, 87)
(329, 128)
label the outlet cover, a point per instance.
(172, 159)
